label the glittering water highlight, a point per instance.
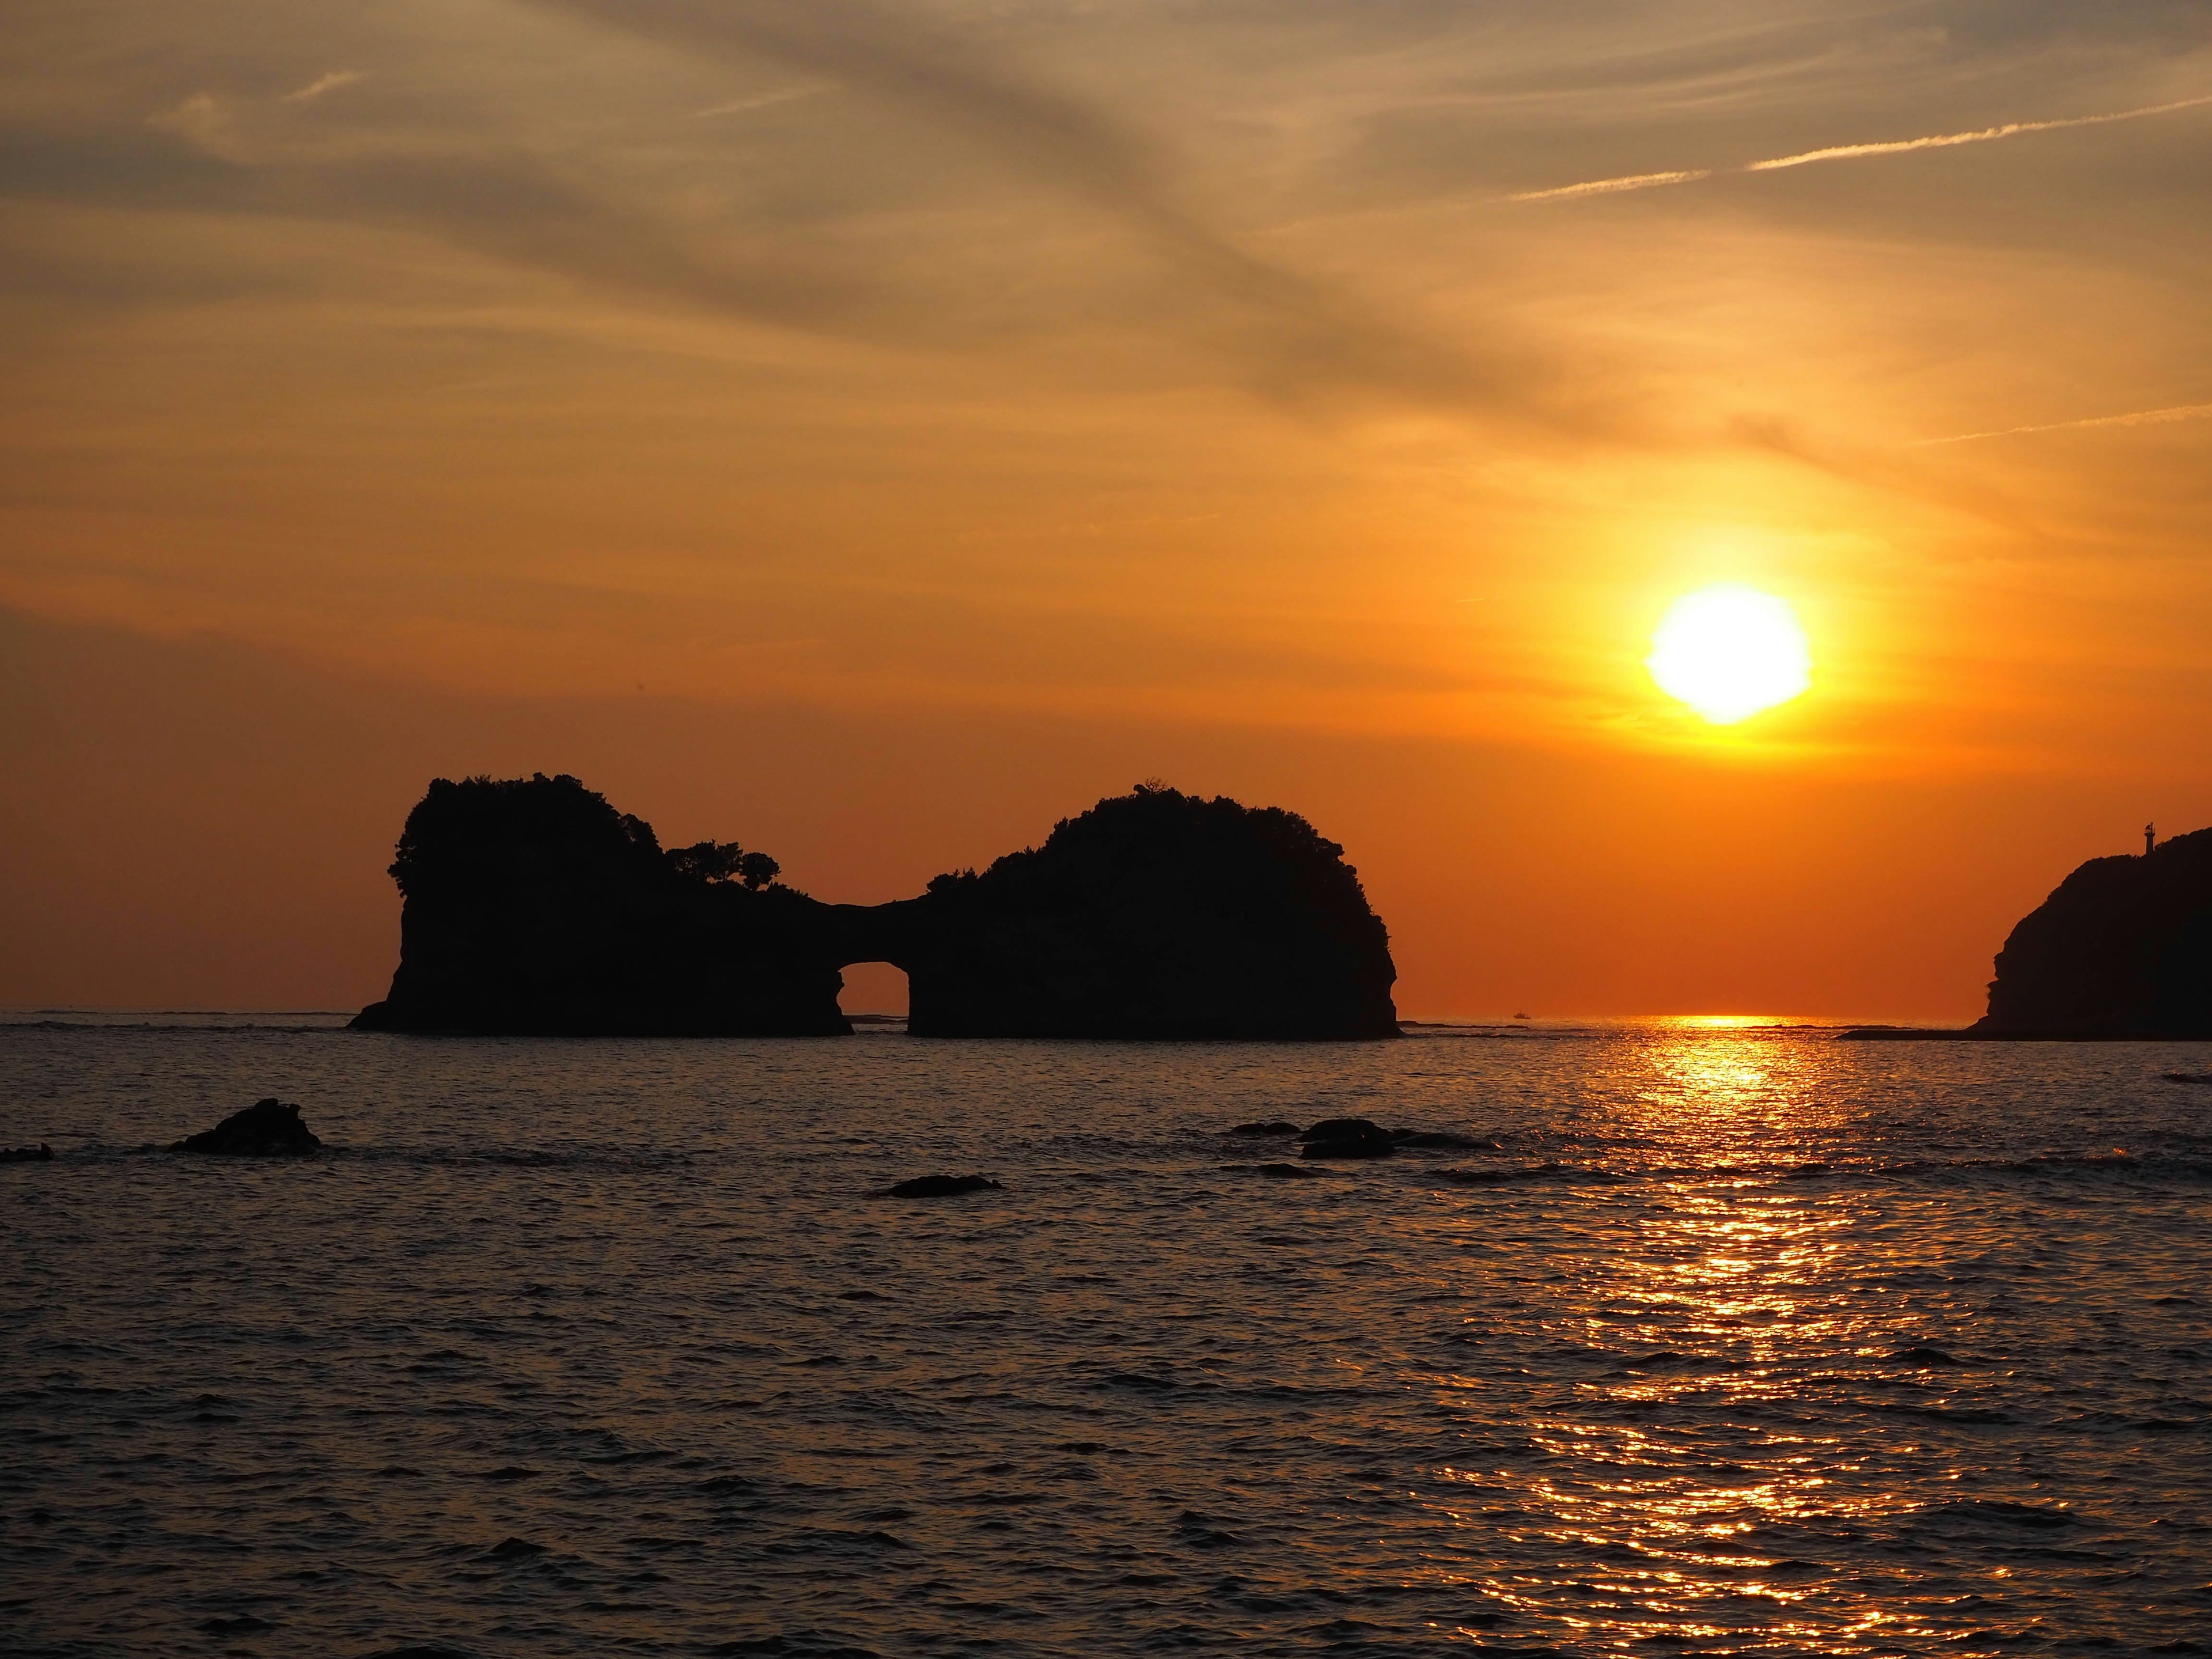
(1678, 1337)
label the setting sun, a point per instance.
(1728, 651)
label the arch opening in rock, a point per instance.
(874, 990)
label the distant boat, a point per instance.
(1520, 1016)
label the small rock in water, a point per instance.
(944, 1186)
(1347, 1137)
(1277, 1128)
(1288, 1172)
(268, 1128)
(1442, 1138)
(2188, 1077)
(40, 1153)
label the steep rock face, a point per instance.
(2122, 948)
(1156, 914)
(532, 907)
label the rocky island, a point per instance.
(2121, 949)
(532, 907)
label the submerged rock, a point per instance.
(40, 1153)
(944, 1186)
(1288, 1172)
(1444, 1138)
(1277, 1128)
(268, 1128)
(1347, 1137)
(2187, 1077)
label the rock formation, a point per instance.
(1158, 915)
(2123, 947)
(532, 906)
(268, 1128)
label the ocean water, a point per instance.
(1704, 1338)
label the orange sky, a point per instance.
(872, 432)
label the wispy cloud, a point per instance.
(2137, 417)
(1852, 152)
(1302, 332)
(316, 88)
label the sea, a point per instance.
(1684, 1336)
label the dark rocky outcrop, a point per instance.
(1347, 1137)
(532, 906)
(1286, 1172)
(1278, 1126)
(40, 1153)
(1158, 915)
(268, 1128)
(2121, 949)
(943, 1186)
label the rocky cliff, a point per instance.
(2122, 948)
(531, 906)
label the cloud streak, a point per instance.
(2137, 417)
(1851, 152)
(316, 88)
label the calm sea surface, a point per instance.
(1708, 1340)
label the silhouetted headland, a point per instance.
(2121, 950)
(532, 907)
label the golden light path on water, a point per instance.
(1721, 1297)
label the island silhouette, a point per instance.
(532, 907)
(2121, 949)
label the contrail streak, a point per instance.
(1944, 141)
(1611, 187)
(2139, 417)
(1850, 152)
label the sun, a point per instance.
(1730, 651)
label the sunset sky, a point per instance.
(872, 432)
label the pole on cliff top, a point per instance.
(2150, 838)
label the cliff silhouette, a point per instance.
(532, 906)
(2123, 947)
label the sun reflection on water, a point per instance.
(1682, 1485)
